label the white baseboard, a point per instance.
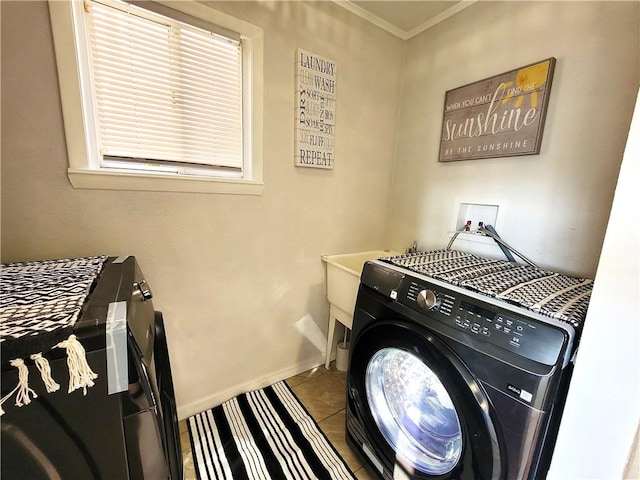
(185, 411)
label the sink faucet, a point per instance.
(413, 248)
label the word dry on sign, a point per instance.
(315, 110)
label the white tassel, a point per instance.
(22, 397)
(7, 397)
(45, 372)
(80, 374)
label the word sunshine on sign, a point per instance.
(497, 117)
(315, 110)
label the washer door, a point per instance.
(419, 406)
(413, 411)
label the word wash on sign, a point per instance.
(315, 110)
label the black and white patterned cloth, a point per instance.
(40, 302)
(549, 293)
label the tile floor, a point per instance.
(323, 393)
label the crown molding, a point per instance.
(371, 18)
(439, 18)
(398, 32)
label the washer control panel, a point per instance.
(427, 298)
(508, 330)
(486, 322)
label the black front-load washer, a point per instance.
(446, 383)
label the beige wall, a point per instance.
(555, 205)
(235, 276)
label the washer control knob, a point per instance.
(428, 300)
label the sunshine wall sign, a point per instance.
(501, 116)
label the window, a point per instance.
(159, 99)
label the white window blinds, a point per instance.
(165, 91)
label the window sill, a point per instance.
(100, 180)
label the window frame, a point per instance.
(85, 169)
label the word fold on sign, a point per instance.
(315, 110)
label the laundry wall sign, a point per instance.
(315, 106)
(500, 116)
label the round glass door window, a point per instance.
(413, 411)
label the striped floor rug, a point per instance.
(262, 435)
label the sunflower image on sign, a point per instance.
(501, 116)
(528, 80)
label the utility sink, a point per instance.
(343, 276)
(343, 279)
